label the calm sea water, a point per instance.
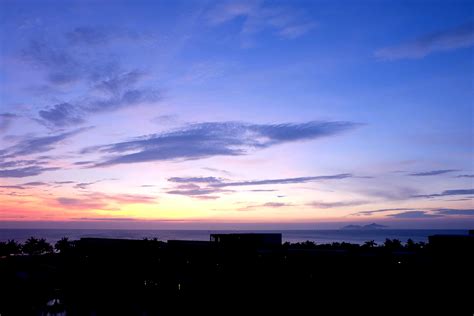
(318, 236)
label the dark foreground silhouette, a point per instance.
(240, 274)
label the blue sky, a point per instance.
(270, 112)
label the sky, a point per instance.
(235, 114)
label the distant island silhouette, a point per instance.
(364, 227)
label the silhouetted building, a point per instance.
(109, 244)
(454, 245)
(188, 244)
(247, 240)
(449, 241)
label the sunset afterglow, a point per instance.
(199, 114)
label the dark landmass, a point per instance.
(240, 274)
(364, 227)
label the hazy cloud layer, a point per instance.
(203, 140)
(81, 203)
(459, 37)
(394, 194)
(102, 201)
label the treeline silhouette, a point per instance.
(94, 276)
(34, 246)
(38, 246)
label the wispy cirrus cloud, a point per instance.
(95, 36)
(74, 56)
(6, 119)
(418, 212)
(434, 213)
(318, 204)
(195, 180)
(104, 83)
(203, 140)
(62, 115)
(14, 187)
(462, 212)
(39, 144)
(113, 93)
(283, 180)
(196, 191)
(60, 65)
(432, 172)
(25, 172)
(26, 185)
(285, 22)
(446, 193)
(370, 212)
(17, 163)
(35, 184)
(222, 171)
(446, 40)
(267, 205)
(85, 185)
(414, 214)
(29, 145)
(205, 186)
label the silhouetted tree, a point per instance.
(392, 244)
(11, 247)
(309, 244)
(63, 245)
(301, 245)
(35, 246)
(411, 245)
(370, 244)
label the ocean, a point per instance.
(318, 236)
